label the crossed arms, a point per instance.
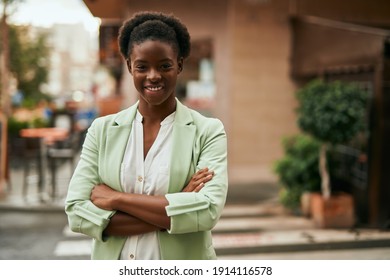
(139, 213)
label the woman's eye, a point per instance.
(166, 66)
(140, 67)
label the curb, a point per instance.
(32, 208)
(288, 238)
(304, 247)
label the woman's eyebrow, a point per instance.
(139, 61)
(146, 61)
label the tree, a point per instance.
(333, 113)
(23, 56)
(4, 55)
(29, 61)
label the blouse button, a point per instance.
(131, 256)
(140, 179)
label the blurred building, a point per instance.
(248, 59)
(73, 61)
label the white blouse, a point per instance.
(149, 176)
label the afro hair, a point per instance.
(154, 26)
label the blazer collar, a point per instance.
(126, 116)
(183, 141)
(182, 117)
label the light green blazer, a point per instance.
(198, 142)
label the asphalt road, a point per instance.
(30, 235)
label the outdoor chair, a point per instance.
(63, 120)
(61, 152)
(31, 149)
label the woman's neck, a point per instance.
(153, 113)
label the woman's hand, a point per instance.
(198, 180)
(103, 196)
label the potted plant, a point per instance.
(333, 113)
(298, 171)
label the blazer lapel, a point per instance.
(183, 141)
(117, 138)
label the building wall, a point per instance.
(262, 102)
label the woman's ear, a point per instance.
(180, 63)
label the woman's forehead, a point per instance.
(153, 48)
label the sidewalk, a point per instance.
(12, 198)
(267, 228)
(252, 222)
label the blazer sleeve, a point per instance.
(83, 215)
(192, 212)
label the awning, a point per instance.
(107, 9)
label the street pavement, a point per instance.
(253, 225)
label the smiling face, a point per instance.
(154, 66)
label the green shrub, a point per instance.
(298, 168)
(290, 198)
(14, 126)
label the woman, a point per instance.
(152, 179)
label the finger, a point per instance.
(187, 189)
(190, 187)
(198, 178)
(199, 187)
(202, 173)
(199, 174)
(202, 184)
(204, 176)
(208, 178)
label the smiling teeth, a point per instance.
(154, 88)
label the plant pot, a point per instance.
(334, 212)
(305, 204)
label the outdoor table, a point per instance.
(49, 136)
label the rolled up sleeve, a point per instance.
(83, 216)
(193, 212)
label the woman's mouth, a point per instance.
(153, 88)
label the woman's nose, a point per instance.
(153, 75)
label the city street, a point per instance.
(254, 225)
(31, 235)
(36, 235)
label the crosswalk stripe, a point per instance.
(230, 232)
(73, 248)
